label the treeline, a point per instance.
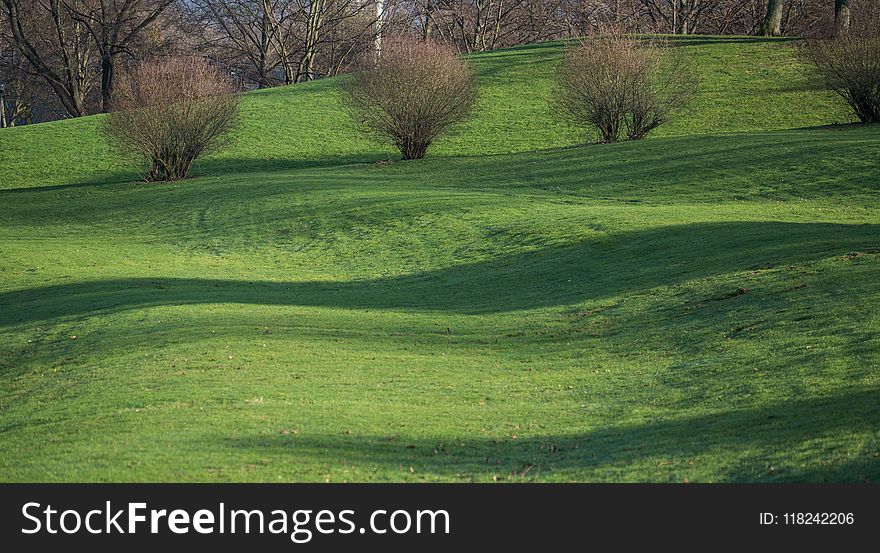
(64, 58)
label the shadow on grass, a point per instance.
(664, 447)
(94, 181)
(224, 166)
(214, 167)
(624, 263)
(612, 170)
(710, 40)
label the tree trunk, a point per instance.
(276, 35)
(479, 41)
(773, 20)
(380, 21)
(841, 15)
(265, 46)
(427, 24)
(496, 33)
(676, 9)
(314, 23)
(108, 80)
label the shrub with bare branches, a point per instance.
(616, 83)
(849, 62)
(413, 94)
(168, 112)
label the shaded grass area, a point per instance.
(692, 307)
(746, 85)
(537, 279)
(655, 446)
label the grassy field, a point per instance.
(699, 306)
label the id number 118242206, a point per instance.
(807, 519)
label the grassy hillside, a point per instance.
(745, 84)
(698, 306)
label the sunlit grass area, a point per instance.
(699, 306)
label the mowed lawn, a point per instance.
(699, 306)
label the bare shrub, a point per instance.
(849, 62)
(616, 83)
(664, 87)
(170, 111)
(413, 94)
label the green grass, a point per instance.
(699, 306)
(745, 85)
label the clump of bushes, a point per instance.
(412, 94)
(616, 84)
(168, 112)
(849, 62)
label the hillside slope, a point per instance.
(745, 84)
(699, 306)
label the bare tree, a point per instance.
(21, 91)
(849, 63)
(168, 112)
(413, 94)
(114, 25)
(680, 17)
(616, 82)
(13, 107)
(258, 31)
(478, 25)
(591, 88)
(56, 46)
(286, 41)
(323, 18)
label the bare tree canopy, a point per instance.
(56, 46)
(75, 51)
(849, 63)
(171, 111)
(618, 83)
(414, 94)
(114, 25)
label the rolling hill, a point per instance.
(698, 306)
